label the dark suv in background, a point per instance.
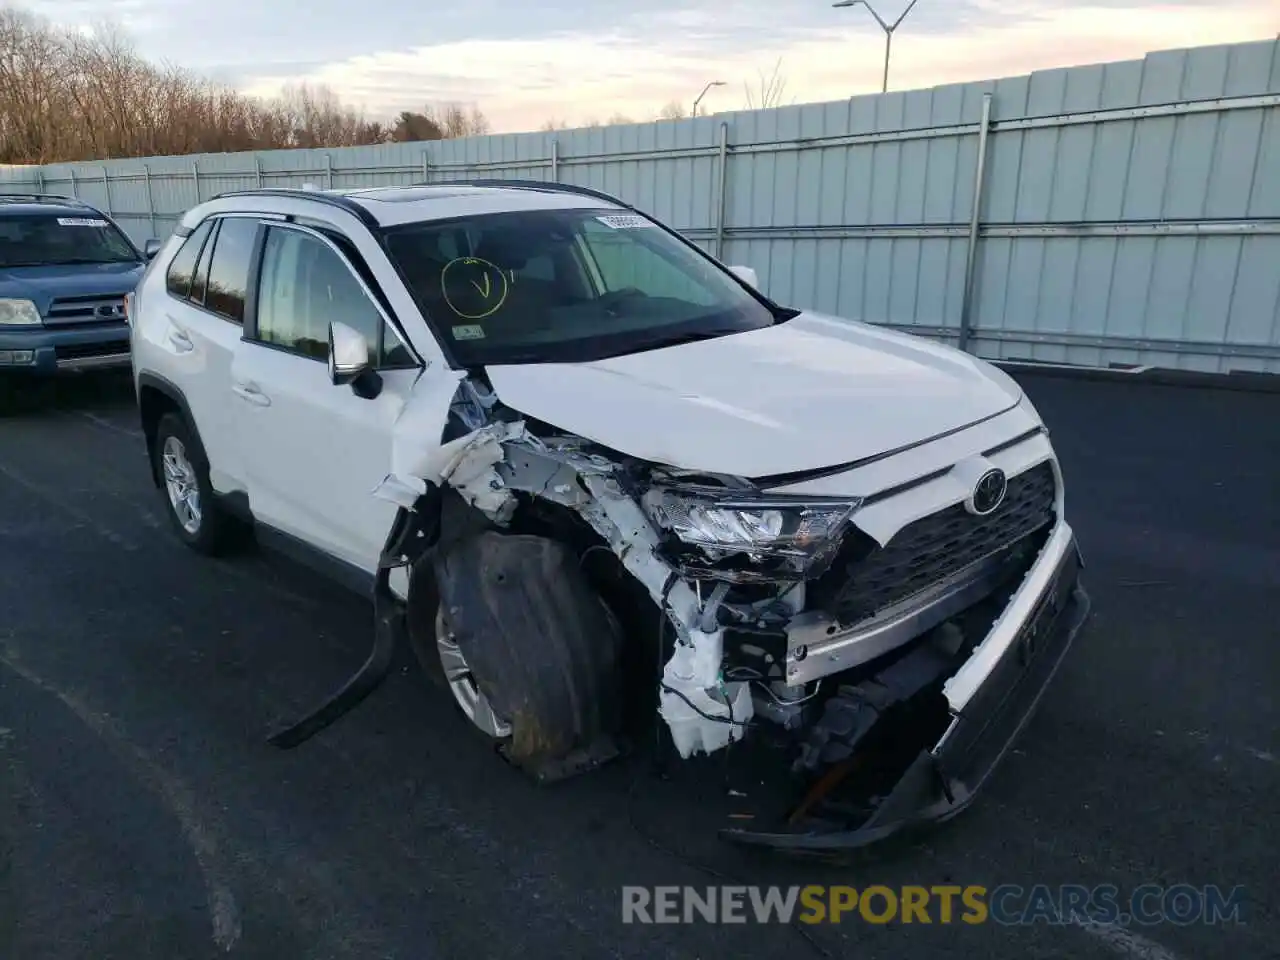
(65, 270)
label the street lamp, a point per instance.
(888, 29)
(713, 83)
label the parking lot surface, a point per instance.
(142, 813)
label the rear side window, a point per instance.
(183, 266)
(201, 278)
(228, 281)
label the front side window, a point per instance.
(304, 287)
(547, 286)
(35, 240)
(232, 258)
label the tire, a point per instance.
(542, 649)
(207, 529)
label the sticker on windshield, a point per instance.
(471, 331)
(80, 222)
(624, 222)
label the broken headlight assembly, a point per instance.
(714, 536)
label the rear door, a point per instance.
(207, 283)
(313, 452)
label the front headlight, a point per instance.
(803, 530)
(18, 313)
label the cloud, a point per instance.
(520, 82)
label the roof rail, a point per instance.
(549, 186)
(319, 196)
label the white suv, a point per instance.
(552, 436)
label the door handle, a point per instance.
(179, 339)
(250, 392)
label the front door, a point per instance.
(313, 452)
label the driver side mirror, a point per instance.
(151, 248)
(349, 361)
(747, 276)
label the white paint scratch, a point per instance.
(1126, 943)
(175, 796)
(1266, 756)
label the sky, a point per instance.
(524, 62)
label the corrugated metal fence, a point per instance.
(1119, 213)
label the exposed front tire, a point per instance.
(184, 482)
(526, 648)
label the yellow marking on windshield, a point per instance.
(492, 295)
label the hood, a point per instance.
(48, 283)
(813, 392)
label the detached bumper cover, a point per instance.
(943, 781)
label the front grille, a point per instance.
(865, 578)
(98, 310)
(79, 351)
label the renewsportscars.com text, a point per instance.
(1007, 904)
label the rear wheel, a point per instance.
(184, 481)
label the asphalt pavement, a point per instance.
(143, 815)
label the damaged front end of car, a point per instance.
(887, 675)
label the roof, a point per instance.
(26, 204)
(393, 205)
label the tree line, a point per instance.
(67, 95)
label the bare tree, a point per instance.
(458, 121)
(672, 110)
(67, 95)
(770, 91)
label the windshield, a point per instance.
(44, 240)
(547, 286)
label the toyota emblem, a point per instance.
(988, 492)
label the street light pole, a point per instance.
(888, 29)
(713, 83)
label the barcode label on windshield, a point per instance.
(80, 222)
(624, 222)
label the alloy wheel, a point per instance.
(463, 683)
(181, 485)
